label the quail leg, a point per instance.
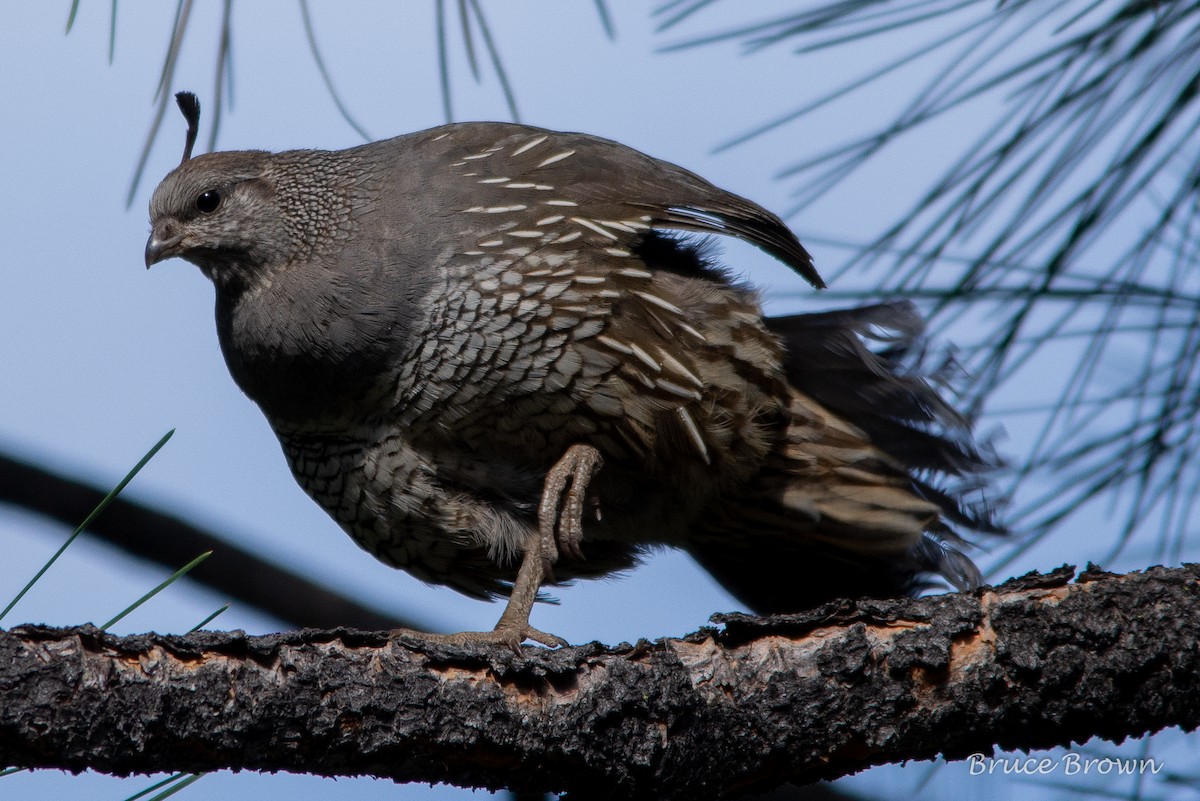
(513, 627)
(560, 527)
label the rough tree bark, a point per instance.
(1037, 662)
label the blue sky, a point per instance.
(102, 357)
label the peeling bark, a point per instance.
(1037, 662)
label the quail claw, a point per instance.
(509, 636)
(560, 514)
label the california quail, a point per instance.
(487, 357)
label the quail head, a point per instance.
(492, 355)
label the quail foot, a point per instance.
(494, 356)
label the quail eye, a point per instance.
(208, 201)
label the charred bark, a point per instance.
(1037, 662)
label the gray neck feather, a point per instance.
(320, 330)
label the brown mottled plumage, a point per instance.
(484, 357)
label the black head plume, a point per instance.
(189, 104)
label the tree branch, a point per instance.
(1035, 663)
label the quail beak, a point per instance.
(158, 249)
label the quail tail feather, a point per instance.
(851, 509)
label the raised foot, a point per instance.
(560, 514)
(560, 527)
(510, 636)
